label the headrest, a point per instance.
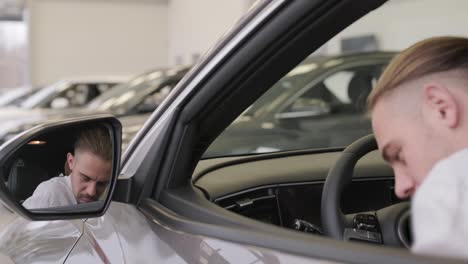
(25, 176)
(359, 89)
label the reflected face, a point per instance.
(89, 177)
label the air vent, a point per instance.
(259, 204)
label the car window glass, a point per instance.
(119, 98)
(154, 99)
(37, 98)
(321, 102)
(76, 95)
(338, 83)
(319, 106)
(344, 87)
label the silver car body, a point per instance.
(124, 234)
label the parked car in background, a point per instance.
(71, 92)
(171, 206)
(319, 104)
(15, 96)
(131, 124)
(139, 95)
(310, 107)
(142, 94)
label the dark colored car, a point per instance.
(319, 104)
(166, 204)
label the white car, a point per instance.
(72, 92)
(165, 204)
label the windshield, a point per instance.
(141, 94)
(43, 94)
(68, 94)
(126, 95)
(16, 96)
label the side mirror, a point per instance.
(60, 103)
(305, 107)
(62, 170)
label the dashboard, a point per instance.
(285, 189)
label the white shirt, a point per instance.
(52, 193)
(440, 209)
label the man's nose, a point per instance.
(404, 185)
(91, 189)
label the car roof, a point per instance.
(97, 79)
(351, 56)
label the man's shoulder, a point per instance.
(53, 192)
(53, 182)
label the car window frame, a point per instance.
(160, 185)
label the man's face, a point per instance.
(406, 143)
(419, 124)
(89, 177)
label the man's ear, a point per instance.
(70, 160)
(441, 105)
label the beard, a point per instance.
(84, 198)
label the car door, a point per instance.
(122, 235)
(25, 241)
(265, 45)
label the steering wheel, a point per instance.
(389, 225)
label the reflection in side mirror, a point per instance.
(60, 103)
(62, 170)
(306, 107)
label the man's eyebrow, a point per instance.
(385, 152)
(390, 151)
(82, 174)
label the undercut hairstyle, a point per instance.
(95, 140)
(433, 55)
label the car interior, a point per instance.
(266, 188)
(285, 189)
(44, 157)
(272, 193)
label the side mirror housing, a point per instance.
(62, 170)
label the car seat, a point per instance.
(359, 89)
(25, 175)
